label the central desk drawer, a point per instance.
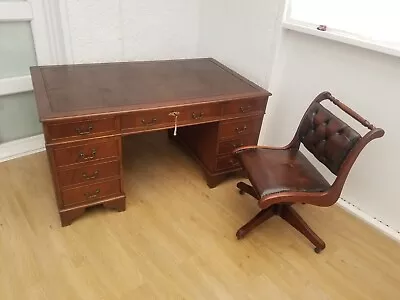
(159, 118)
(89, 174)
(81, 129)
(91, 193)
(92, 151)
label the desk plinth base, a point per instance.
(67, 216)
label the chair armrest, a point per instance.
(244, 148)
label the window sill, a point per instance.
(341, 37)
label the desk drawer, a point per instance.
(246, 106)
(89, 174)
(228, 146)
(160, 118)
(239, 127)
(227, 162)
(92, 151)
(91, 193)
(81, 129)
(201, 112)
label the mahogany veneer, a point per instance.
(87, 109)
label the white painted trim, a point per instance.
(387, 230)
(15, 11)
(55, 30)
(340, 36)
(22, 147)
(65, 29)
(15, 85)
(40, 31)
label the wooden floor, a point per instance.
(176, 240)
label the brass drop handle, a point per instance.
(233, 162)
(237, 145)
(82, 131)
(84, 157)
(197, 116)
(241, 130)
(245, 109)
(92, 195)
(94, 176)
(148, 123)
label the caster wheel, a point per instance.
(241, 192)
(240, 234)
(318, 250)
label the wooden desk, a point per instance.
(87, 109)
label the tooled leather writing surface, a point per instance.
(72, 88)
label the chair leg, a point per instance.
(245, 188)
(261, 217)
(293, 218)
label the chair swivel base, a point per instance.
(286, 212)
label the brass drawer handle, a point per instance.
(92, 195)
(83, 156)
(94, 176)
(148, 123)
(245, 109)
(233, 162)
(82, 131)
(241, 130)
(237, 145)
(198, 115)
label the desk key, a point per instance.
(175, 114)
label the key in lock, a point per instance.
(175, 114)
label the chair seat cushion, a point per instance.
(272, 171)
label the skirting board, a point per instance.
(21, 147)
(386, 229)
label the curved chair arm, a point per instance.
(244, 148)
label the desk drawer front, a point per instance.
(227, 162)
(94, 151)
(147, 120)
(246, 106)
(199, 113)
(89, 174)
(159, 118)
(236, 128)
(81, 129)
(91, 193)
(228, 146)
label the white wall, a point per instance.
(365, 80)
(118, 30)
(241, 34)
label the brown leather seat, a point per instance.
(281, 170)
(283, 176)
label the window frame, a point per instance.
(349, 38)
(38, 14)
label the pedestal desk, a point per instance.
(87, 109)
